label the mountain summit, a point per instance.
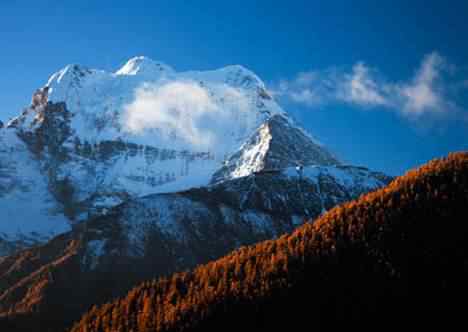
(276, 144)
(141, 64)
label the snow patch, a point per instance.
(95, 250)
(29, 213)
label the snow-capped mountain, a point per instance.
(92, 140)
(134, 157)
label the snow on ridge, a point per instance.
(139, 64)
(236, 75)
(347, 176)
(252, 158)
(99, 101)
(275, 145)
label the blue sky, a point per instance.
(382, 83)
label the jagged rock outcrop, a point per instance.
(40, 97)
(275, 145)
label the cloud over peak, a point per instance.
(176, 106)
(185, 110)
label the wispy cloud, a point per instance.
(362, 88)
(426, 92)
(185, 110)
(164, 107)
(429, 91)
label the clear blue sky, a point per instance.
(275, 39)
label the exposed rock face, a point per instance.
(40, 97)
(276, 145)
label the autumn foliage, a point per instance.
(394, 256)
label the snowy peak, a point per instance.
(100, 100)
(277, 144)
(72, 73)
(143, 65)
(238, 75)
(291, 145)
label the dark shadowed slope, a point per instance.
(394, 256)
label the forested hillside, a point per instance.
(393, 257)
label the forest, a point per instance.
(394, 257)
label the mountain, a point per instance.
(394, 257)
(92, 140)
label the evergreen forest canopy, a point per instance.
(392, 258)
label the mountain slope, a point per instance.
(162, 233)
(28, 213)
(395, 256)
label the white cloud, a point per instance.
(185, 110)
(361, 88)
(422, 94)
(429, 91)
(306, 96)
(166, 107)
(312, 88)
